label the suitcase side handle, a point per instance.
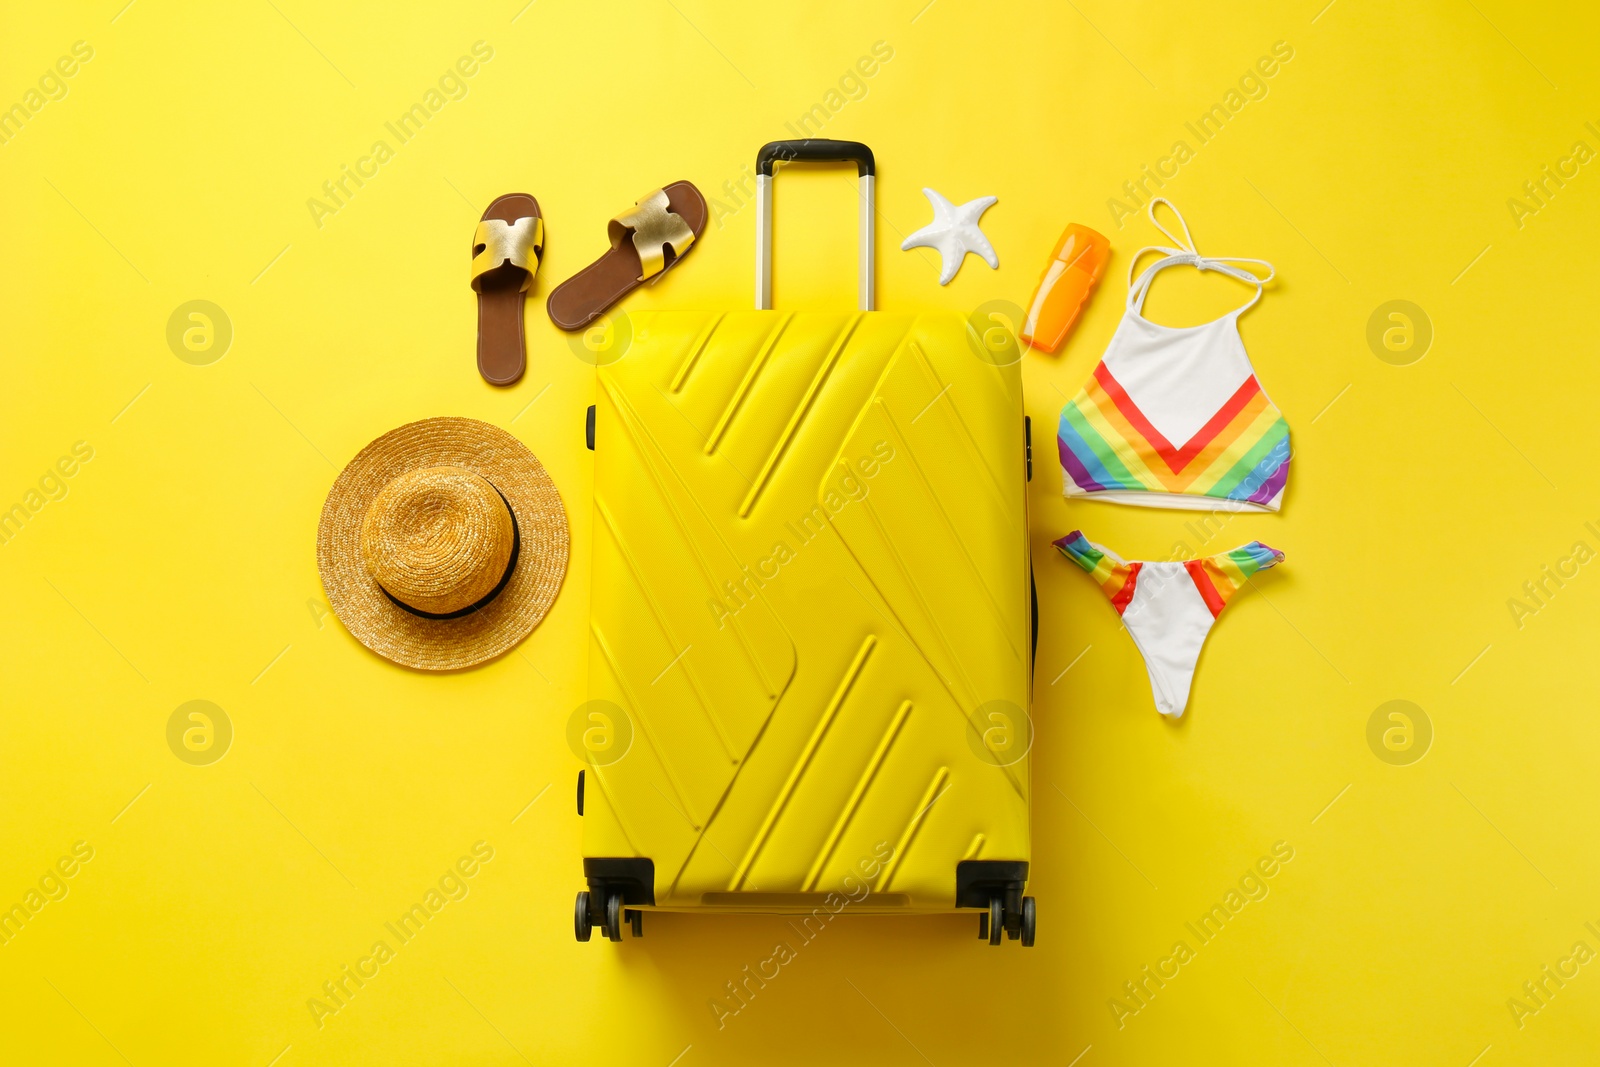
(813, 150)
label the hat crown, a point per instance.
(438, 539)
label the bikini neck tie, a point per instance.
(1186, 254)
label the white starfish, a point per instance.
(954, 232)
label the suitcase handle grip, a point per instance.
(816, 150)
(813, 150)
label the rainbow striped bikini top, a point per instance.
(1173, 417)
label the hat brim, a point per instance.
(494, 629)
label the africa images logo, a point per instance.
(337, 192)
(1251, 86)
(52, 86)
(452, 886)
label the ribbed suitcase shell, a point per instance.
(810, 601)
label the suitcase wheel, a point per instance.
(611, 917)
(583, 918)
(619, 887)
(998, 923)
(613, 927)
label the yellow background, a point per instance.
(180, 563)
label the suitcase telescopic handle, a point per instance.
(812, 150)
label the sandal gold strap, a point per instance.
(654, 227)
(519, 243)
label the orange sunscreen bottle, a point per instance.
(1079, 260)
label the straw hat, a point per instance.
(442, 544)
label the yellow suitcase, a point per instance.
(811, 628)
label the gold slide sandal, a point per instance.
(663, 226)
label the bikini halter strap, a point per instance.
(1185, 254)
